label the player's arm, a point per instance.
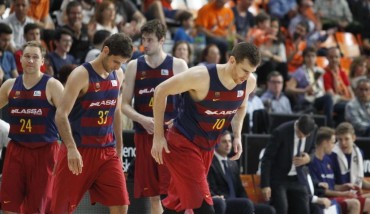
(179, 66)
(4, 92)
(128, 93)
(117, 120)
(191, 81)
(77, 81)
(54, 89)
(237, 122)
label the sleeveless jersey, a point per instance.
(32, 121)
(92, 115)
(146, 80)
(202, 122)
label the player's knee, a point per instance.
(353, 204)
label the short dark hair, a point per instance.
(344, 128)
(309, 49)
(206, 50)
(65, 71)
(156, 27)
(62, 31)
(5, 29)
(119, 44)
(179, 43)
(71, 5)
(273, 74)
(245, 50)
(34, 44)
(361, 81)
(304, 24)
(31, 26)
(324, 133)
(261, 17)
(100, 36)
(306, 124)
(183, 16)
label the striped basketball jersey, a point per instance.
(202, 122)
(92, 115)
(146, 80)
(31, 115)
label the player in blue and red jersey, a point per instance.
(32, 152)
(213, 97)
(142, 76)
(91, 153)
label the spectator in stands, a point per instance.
(129, 18)
(99, 37)
(65, 71)
(224, 181)
(348, 162)
(282, 169)
(337, 84)
(274, 98)
(210, 55)
(8, 67)
(17, 20)
(39, 11)
(307, 86)
(254, 103)
(217, 22)
(362, 16)
(60, 56)
(104, 19)
(295, 44)
(358, 110)
(186, 31)
(321, 170)
(283, 9)
(32, 32)
(333, 13)
(182, 50)
(244, 20)
(358, 70)
(75, 25)
(273, 54)
(160, 9)
(2, 9)
(261, 31)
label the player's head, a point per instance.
(244, 59)
(117, 49)
(304, 126)
(325, 139)
(225, 144)
(33, 57)
(345, 134)
(153, 34)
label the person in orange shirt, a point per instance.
(295, 45)
(39, 10)
(216, 21)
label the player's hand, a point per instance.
(238, 149)
(169, 123)
(158, 145)
(75, 163)
(148, 124)
(266, 193)
(324, 201)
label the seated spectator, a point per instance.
(216, 22)
(186, 31)
(160, 9)
(39, 11)
(274, 99)
(358, 70)
(358, 110)
(32, 32)
(79, 30)
(295, 44)
(65, 71)
(224, 181)
(8, 67)
(244, 20)
(285, 10)
(60, 56)
(321, 170)
(261, 31)
(337, 84)
(17, 21)
(348, 164)
(98, 40)
(254, 103)
(210, 55)
(307, 86)
(104, 19)
(182, 50)
(273, 54)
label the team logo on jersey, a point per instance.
(240, 93)
(217, 96)
(97, 87)
(164, 72)
(37, 93)
(143, 75)
(114, 82)
(328, 166)
(16, 94)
